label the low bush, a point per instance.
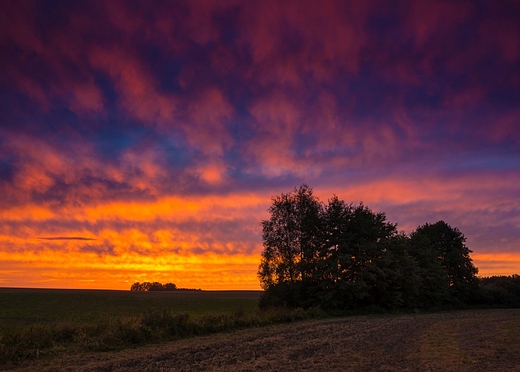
(150, 327)
(25, 343)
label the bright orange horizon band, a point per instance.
(151, 250)
(155, 248)
(207, 273)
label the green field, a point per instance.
(37, 322)
(43, 306)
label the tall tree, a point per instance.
(336, 256)
(432, 279)
(403, 275)
(448, 243)
(356, 265)
(291, 241)
(372, 235)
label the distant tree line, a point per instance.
(345, 256)
(501, 291)
(153, 286)
(156, 286)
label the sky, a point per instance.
(144, 141)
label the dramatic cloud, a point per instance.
(144, 141)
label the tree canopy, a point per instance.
(153, 286)
(344, 256)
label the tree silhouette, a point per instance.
(356, 255)
(432, 281)
(291, 244)
(170, 287)
(341, 256)
(448, 244)
(153, 286)
(501, 290)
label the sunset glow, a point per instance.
(143, 141)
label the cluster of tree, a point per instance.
(344, 256)
(156, 286)
(153, 286)
(501, 290)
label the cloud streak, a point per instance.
(66, 238)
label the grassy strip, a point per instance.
(119, 333)
(20, 307)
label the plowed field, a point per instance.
(484, 340)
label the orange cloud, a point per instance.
(147, 239)
(308, 40)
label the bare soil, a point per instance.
(483, 340)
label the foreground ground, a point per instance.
(487, 340)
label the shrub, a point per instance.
(163, 324)
(153, 326)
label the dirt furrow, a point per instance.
(457, 341)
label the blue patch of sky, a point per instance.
(370, 95)
(465, 32)
(120, 130)
(490, 159)
(494, 162)
(176, 152)
(198, 58)
(256, 181)
(16, 111)
(235, 162)
(7, 168)
(366, 94)
(57, 122)
(291, 40)
(239, 126)
(386, 25)
(505, 96)
(111, 140)
(225, 20)
(499, 78)
(423, 97)
(52, 15)
(116, 132)
(107, 87)
(165, 69)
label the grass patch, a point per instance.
(33, 306)
(118, 333)
(38, 322)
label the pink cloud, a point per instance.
(205, 124)
(136, 87)
(430, 19)
(501, 34)
(56, 52)
(504, 127)
(292, 38)
(17, 26)
(277, 121)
